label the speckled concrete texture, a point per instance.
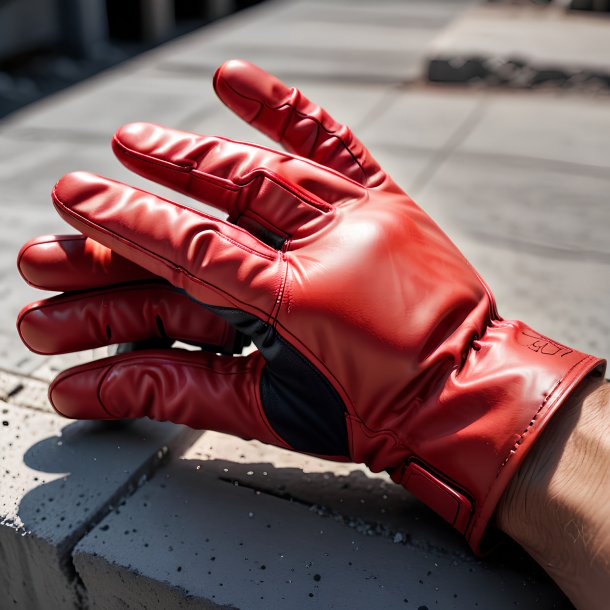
(58, 479)
(202, 538)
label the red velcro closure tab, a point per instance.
(440, 497)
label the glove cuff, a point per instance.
(511, 383)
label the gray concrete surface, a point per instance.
(518, 179)
(524, 46)
(314, 40)
(58, 479)
(198, 536)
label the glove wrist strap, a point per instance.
(502, 398)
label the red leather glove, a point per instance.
(377, 341)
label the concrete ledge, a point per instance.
(195, 537)
(58, 479)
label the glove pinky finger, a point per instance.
(201, 390)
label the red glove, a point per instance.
(377, 341)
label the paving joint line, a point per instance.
(137, 480)
(360, 525)
(34, 134)
(556, 165)
(387, 99)
(512, 243)
(459, 135)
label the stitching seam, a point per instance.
(513, 450)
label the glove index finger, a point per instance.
(216, 263)
(287, 116)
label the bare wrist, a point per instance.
(558, 505)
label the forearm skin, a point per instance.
(558, 505)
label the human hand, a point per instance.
(377, 341)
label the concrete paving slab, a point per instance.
(95, 108)
(478, 162)
(13, 355)
(27, 198)
(9, 384)
(514, 202)
(190, 540)
(536, 236)
(419, 118)
(523, 46)
(350, 493)
(24, 392)
(566, 128)
(405, 164)
(410, 130)
(59, 478)
(562, 298)
(316, 40)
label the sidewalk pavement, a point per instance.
(524, 45)
(147, 515)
